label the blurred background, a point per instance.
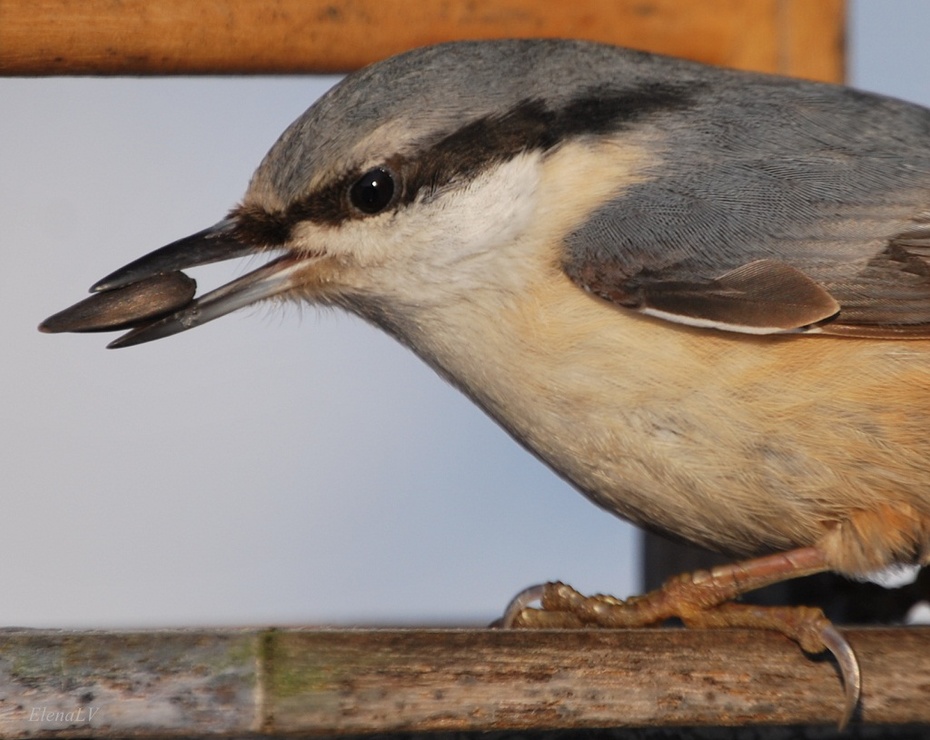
(282, 465)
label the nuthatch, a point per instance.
(702, 296)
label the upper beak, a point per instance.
(153, 297)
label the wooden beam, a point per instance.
(284, 682)
(140, 37)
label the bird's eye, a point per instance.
(373, 191)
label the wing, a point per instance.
(792, 209)
(761, 297)
(886, 297)
(890, 296)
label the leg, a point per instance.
(702, 600)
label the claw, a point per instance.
(519, 602)
(849, 670)
(702, 600)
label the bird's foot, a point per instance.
(700, 600)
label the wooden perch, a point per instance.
(275, 682)
(63, 37)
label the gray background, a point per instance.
(281, 465)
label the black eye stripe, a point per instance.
(530, 125)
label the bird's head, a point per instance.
(418, 179)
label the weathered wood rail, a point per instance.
(63, 37)
(232, 683)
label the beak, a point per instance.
(153, 297)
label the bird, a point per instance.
(699, 295)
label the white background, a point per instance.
(276, 466)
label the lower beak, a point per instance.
(151, 296)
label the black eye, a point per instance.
(373, 191)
